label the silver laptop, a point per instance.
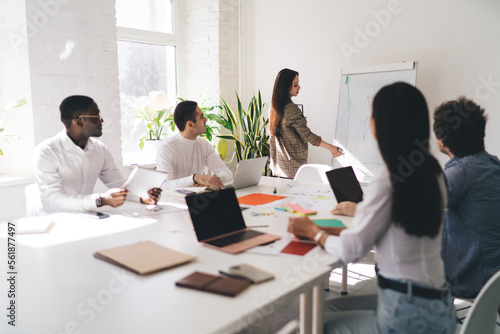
(248, 173)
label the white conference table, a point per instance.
(62, 288)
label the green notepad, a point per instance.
(328, 222)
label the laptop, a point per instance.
(248, 173)
(218, 222)
(345, 185)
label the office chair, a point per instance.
(313, 173)
(483, 313)
(289, 328)
(32, 198)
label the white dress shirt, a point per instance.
(398, 254)
(180, 158)
(66, 174)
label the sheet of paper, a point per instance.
(275, 247)
(304, 191)
(311, 203)
(258, 199)
(148, 210)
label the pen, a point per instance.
(259, 226)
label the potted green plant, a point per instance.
(5, 136)
(154, 117)
(247, 129)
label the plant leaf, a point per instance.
(231, 124)
(223, 149)
(227, 136)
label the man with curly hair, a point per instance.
(471, 232)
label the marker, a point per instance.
(340, 150)
(275, 190)
(257, 226)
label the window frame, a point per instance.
(158, 38)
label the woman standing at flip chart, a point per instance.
(288, 127)
(401, 217)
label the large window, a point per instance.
(147, 48)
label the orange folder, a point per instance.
(258, 199)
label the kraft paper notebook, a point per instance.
(144, 257)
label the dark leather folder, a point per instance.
(226, 286)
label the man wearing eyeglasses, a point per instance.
(68, 165)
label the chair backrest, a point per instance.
(32, 197)
(289, 328)
(483, 313)
(313, 173)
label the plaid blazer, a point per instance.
(289, 150)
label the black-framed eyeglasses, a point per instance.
(92, 116)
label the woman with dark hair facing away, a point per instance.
(401, 217)
(288, 128)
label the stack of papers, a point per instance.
(296, 208)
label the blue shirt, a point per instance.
(471, 232)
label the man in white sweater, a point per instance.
(184, 156)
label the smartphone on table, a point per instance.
(95, 214)
(185, 192)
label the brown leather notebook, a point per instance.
(144, 257)
(226, 286)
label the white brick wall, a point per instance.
(73, 50)
(211, 51)
(201, 49)
(229, 50)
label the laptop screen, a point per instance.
(344, 184)
(215, 213)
